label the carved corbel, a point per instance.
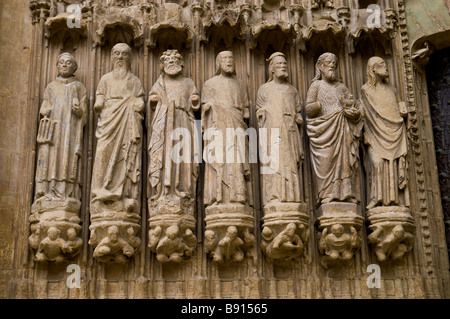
(340, 236)
(392, 235)
(297, 10)
(285, 231)
(343, 15)
(228, 235)
(246, 11)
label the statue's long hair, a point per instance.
(319, 62)
(168, 54)
(219, 62)
(270, 60)
(371, 76)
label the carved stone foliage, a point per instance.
(56, 207)
(278, 109)
(173, 170)
(115, 190)
(227, 186)
(386, 140)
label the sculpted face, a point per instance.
(380, 68)
(328, 68)
(227, 62)
(172, 65)
(121, 56)
(66, 66)
(113, 234)
(279, 67)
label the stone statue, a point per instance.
(278, 110)
(60, 136)
(338, 245)
(226, 249)
(115, 190)
(173, 171)
(316, 4)
(227, 184)
(63, 113)
(333, 125)
(174, 247)
(393, 244)
(385, 136)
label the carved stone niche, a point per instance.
(340, 238)
(228, 235)
(392, 232)
(285, 231)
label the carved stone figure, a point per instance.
(287, 244)
(387, 148)
(60, 145)
(385, 136)
(316, 4)
(391, 244)
(338, 245)
(115, 190)
(278, 109)
(114, 247)
(227, 187)
(52, 247)
(175, 246)
(333, 126)
(173, 170)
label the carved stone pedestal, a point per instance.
(392, 232)
(55, 227)
(172, 226)
(285, 230)
(113, 234)
(340, 238)
(228, 234)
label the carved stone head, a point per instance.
(121, 56)
(171, 62)
(278, 66)
(53, 233)
(326, 67)
(66, 65)
(225, 63)
(376, 70)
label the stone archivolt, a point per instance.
(312, 204)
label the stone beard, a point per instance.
(117, 164)
(64, 109)
(278, 106)
(334, 130)
(224, 106)
(174, 96)
(385, 135)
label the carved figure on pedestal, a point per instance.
(58, 170)
(387, 148)
(173, 170)
(227, 186)
(174, 246)
(334, 126)
(385, 136)
(316, 4)
(392, 244)
(287, 244)
(278, 109)
(338, 245)
(115, 190)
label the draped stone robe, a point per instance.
(385, 135)
(59, 158)
(226, 182)
(334, 141)
(117, 164)
(281, 104)
(174, 111)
